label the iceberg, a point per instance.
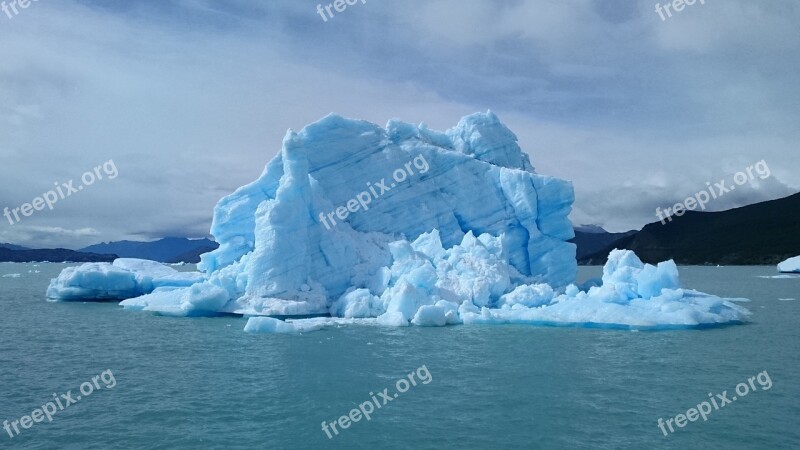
(124, 278)
(356, 224)
(791, 265)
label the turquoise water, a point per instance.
(204, 383)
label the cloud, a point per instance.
(35, 236)
(191, 98)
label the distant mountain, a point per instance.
(165, 250)
(13, 247)
(590, 239)
(762, 233)
(591, 229)
(193, 256)
(51, 255)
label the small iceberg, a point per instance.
(791, 265)
(124, 278)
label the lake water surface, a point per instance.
(204, 383)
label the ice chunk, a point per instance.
(357, 303)
(791, 265)
(273, 325)
(652, 280)
(633, 295)
(406, 299)
(392, 319)
(430, 316)
(438, 315)
(671, 309)
(528, 295)
(268, 325)
(202, 299)
(450, 312)
(122, 279)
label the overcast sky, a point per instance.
(191, 98)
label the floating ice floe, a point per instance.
(791, 265)
(124, 278)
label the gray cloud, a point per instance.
(191, 98)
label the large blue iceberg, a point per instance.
(406, 225)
